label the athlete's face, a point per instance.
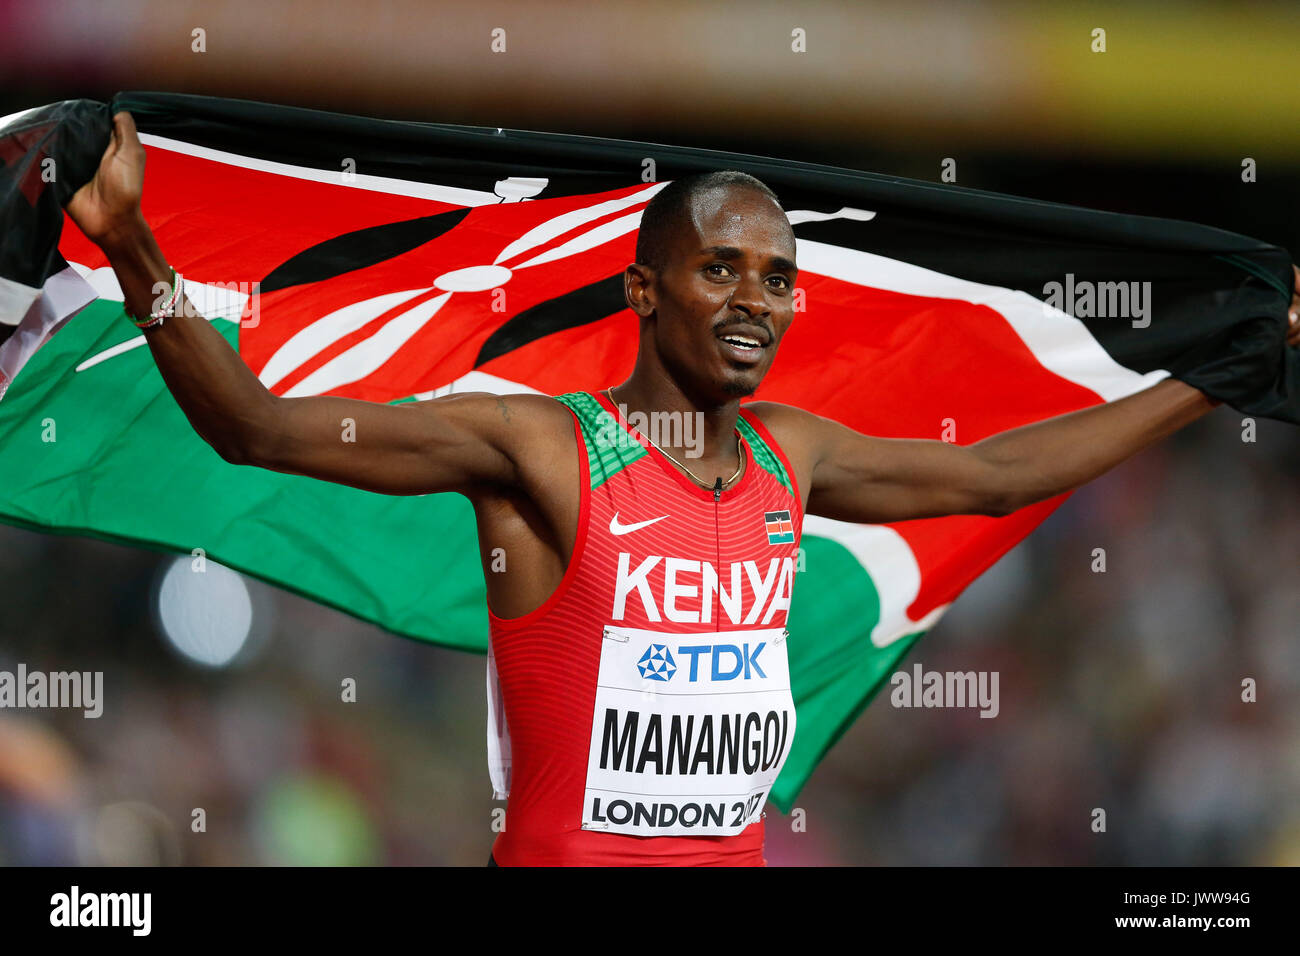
(725, 295)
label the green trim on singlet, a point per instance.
(764, 457)
(610, 448)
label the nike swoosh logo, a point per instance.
(616, 528)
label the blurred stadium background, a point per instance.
(1119, 690)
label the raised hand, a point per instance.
(109, 205)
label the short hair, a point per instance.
(664, 212)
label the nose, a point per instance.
(749, 297)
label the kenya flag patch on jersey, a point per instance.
(780, 530)
(389, 261)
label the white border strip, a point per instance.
(1061, 343)
(889, 561)
(15, 300)
(64, 294)
(6, 120)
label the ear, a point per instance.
(638, 289)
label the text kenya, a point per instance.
(686, 590)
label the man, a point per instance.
(638, 631)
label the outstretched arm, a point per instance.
(874, 480)
(855, 477)
(455, 443)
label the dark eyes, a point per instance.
(783, 284)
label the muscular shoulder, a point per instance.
(532, 431)
(797, 426)
(788, 424)
(799, 432)
(536, 408)
(524, 416)
(778, 415)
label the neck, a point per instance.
(685, 426)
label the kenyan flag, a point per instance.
(396, 261)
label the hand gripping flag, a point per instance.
(396, 261)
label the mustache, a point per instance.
(748, 324)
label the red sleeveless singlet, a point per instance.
(641, 714)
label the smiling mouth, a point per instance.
(744, 342)
(742, 349)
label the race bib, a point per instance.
(689, 731)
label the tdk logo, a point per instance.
(716, 662)
(657, 663)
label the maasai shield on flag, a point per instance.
(394, 261)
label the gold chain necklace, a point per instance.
(739, 456)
